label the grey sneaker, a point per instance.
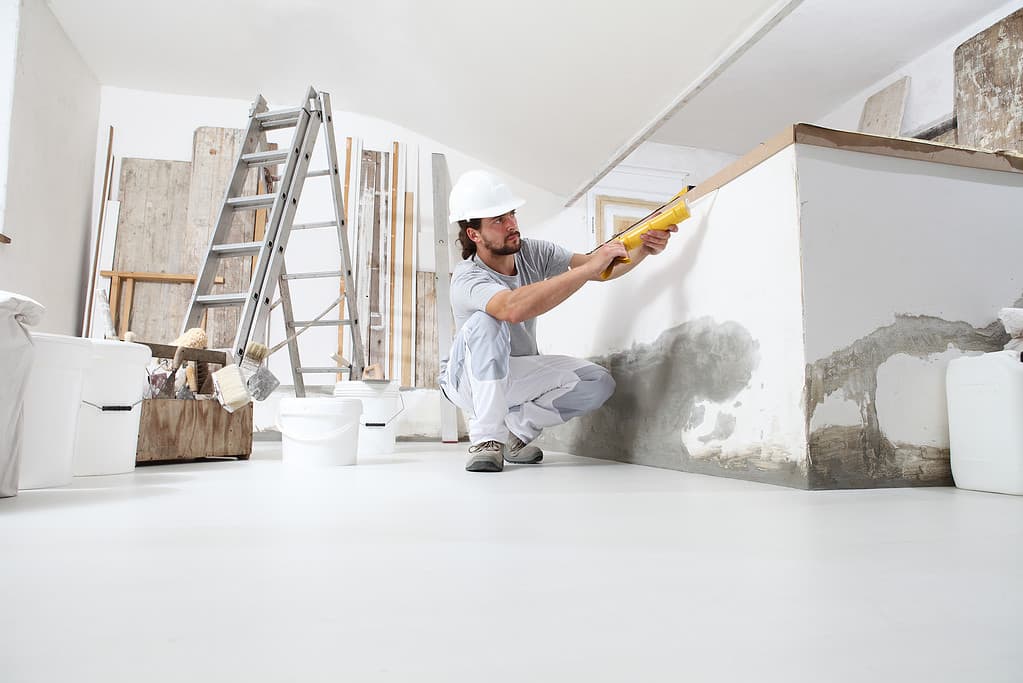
(522, 453)
(486, 457)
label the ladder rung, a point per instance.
(256, 201)
(317, 174)
(265, 158)
(311, 276)
(310, 226)
(318, 323)
(237, 249)
(222, 299)
(282, 118)
(340, 368)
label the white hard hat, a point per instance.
(479, 194)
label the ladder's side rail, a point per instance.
(204, 280)
(272, 246)
(358, 356)
(263, 283)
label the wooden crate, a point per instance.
(173, 429)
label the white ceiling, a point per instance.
(822, 54)
(546, 90)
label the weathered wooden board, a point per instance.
(426, 331)
(214, 152)
(989, 87)
(883, 111)
(172, 429)
(150, 232)
(408, 280)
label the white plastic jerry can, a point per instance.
(985, 421)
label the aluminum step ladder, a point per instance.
(268, 269)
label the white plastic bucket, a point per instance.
(319, 431)
(52, 398)
(985, 401)
(108, 419)
(381, 405)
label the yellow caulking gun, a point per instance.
(675, 211)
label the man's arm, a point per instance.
(518, 305)
(654, 242)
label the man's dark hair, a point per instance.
(468, 246)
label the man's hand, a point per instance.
(654, 241)
(604, 256)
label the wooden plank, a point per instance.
(988, 96)
(445, 321)
(171, 429)
(903, 148)
(168, 351)
(173, 278)
(107, 171)
(883, 111)
(150, 234)
(4, 239)
(426, 331)
(408, 281)
(124, 310)
(214, 154)
(393, 282)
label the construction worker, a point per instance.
(494, 371)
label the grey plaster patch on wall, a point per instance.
(659, 390)
(860, 456)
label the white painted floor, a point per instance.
(408, 568)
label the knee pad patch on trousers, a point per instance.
(594, 388)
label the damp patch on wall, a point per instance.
(684, 382)
(862, 455)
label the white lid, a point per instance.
(46, 338)
(321, 406)
(121, 352)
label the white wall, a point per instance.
(48, 194)
(923, 239)
(9, 11)
(735, 260)
(932, 81)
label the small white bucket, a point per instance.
(319, 431)
(382, 403)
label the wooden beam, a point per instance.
(202, 355)
(91, 289)
(124, 315)
(392, 373)
(170, 278)
(407, 308)
(4, 239)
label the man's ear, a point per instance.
(470, 232)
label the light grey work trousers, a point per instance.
(501, 393)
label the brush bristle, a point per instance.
(230, 387)
(256, 352)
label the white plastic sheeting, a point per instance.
(16, 354)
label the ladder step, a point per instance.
(318, 174)
(317, 323)
(237, 249)
(256, 201)
(310, 276)
(310, 226)
(265, 158)
(342, 368)
(212, 300)
(282, 118)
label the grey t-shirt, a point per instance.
(473, 284)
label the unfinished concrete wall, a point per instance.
(704, 341)
(905, 266)
(48, 196)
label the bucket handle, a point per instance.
(391, 418)
(318, 437)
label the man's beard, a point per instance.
(504, 249)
